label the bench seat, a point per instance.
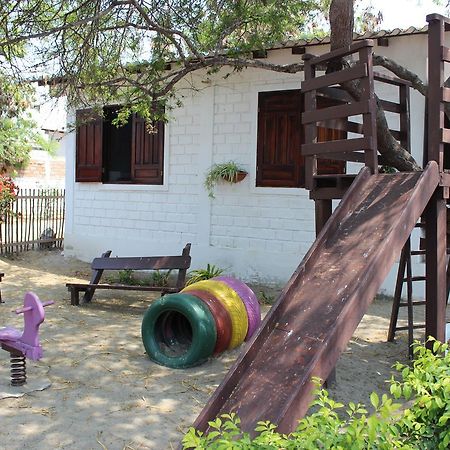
(83, 287)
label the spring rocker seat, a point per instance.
(22, 345)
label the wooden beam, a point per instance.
(355, 72)
(298, 50)
(259, 54)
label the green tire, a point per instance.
(178, 331)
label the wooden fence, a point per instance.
(36, 220)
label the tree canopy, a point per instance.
(136, 51)
(104, 50)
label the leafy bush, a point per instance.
(126, 276)
(265, 298)
(424, 424)
(211, 271)
(160, 278)
(8, 194)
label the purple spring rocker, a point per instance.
(22, 345)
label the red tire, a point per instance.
(221, 317)
(231, 302)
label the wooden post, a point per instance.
(436, 211)
(323, 213)
(436, 262)
(435, 82)
(310, 104)
(324, 210)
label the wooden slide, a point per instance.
(316, 314)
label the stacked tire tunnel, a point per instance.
(204, 319)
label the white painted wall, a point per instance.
(256, 233)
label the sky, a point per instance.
(405, 13)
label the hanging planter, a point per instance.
(229, 172)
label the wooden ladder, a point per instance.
(405, 276)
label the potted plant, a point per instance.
(229, 171)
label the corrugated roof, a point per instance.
(356, 37)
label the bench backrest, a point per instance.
(182, 263)
(142, 263)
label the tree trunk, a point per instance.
(341, 24)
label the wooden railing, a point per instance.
(36, 220)
(357, 149)
(362, 148)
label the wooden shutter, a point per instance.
(88, 160)
(147, 152)
(279, 160)
(329, 166)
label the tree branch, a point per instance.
(169, 33)
(401, 72)
(114, 4)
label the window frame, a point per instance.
(146, 150)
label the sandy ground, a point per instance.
(96, 389)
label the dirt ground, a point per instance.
(95, 388)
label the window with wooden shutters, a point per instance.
(279, 161)
(128, 154)
(88, 146)
(280, 136)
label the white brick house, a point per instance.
(257, 233)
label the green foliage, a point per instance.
(387, 169)
(126, 276)
(8, 194)
(225, 171)
(211, 271)
(265, 298)
(424, 424)
(160, 278)
(18, 132)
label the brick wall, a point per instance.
(43, 170)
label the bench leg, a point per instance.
(88, 295)
(1, 279)
(74, 297)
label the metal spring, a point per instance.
(18, 370)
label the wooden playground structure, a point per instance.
(309, 326)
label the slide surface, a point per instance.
(316, 314)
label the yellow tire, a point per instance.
(232, 303)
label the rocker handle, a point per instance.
(29, 308)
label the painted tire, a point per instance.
(221, 317)
(178, 331)
(232, 303)
(250, 301)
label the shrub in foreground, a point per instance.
(423, 424)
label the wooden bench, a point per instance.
(180, 263)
